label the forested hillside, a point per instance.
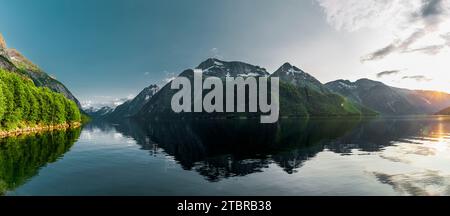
(23, 105)
(12, 60)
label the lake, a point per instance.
(379, 156)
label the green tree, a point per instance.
(20, 102)
(23, 104)
(59, 111)
(72, 112)
(34, 111)
(10, 118)
(2, 101)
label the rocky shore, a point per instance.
(38, 129)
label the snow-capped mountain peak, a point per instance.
(222, 69)
(297, 77)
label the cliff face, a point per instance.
(2, 42)
(5, 61)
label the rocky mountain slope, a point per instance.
(304, 95)
(445, 111)
(297, 77)
(132, 107)
(98, 113)
(300, 93)
(389, 100)
(222, 69)
(13, 61)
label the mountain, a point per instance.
(389, 100)
(97, 113)
(2, 42)
(445, 111)
(13, 61)
(5, 61)
(297, 77)
(222, 69)
(304, 95)
(300, 93)
(131, 107)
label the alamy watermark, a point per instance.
(214, 99)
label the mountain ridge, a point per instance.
(445, 111)
(219, 68)
(12, 60)
(133, 106)
(302, 95)
(389, 100)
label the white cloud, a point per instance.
(393, 15)
(408, 22)
(352, 15)
(101, 101)
(215, 53)
(169, 79)
(169, 76)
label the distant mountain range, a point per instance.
(389, 100)
(99, 113)
(445, 111)
(132, 107)
(13, 61)
(301, 95)
(126, 110)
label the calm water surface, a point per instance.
(383, 156)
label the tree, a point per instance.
(59, 109)
(72, 112)
(23, 104)
(2, 101)
(34, 110)
(9, 119)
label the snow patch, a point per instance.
(346, 86)
(249, 75)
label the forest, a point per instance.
(23, 105)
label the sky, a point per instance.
(106, 51)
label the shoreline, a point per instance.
(38, 129)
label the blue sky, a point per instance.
(108, 49)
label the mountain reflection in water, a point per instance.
(380, 156)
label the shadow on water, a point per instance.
(22, 157)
